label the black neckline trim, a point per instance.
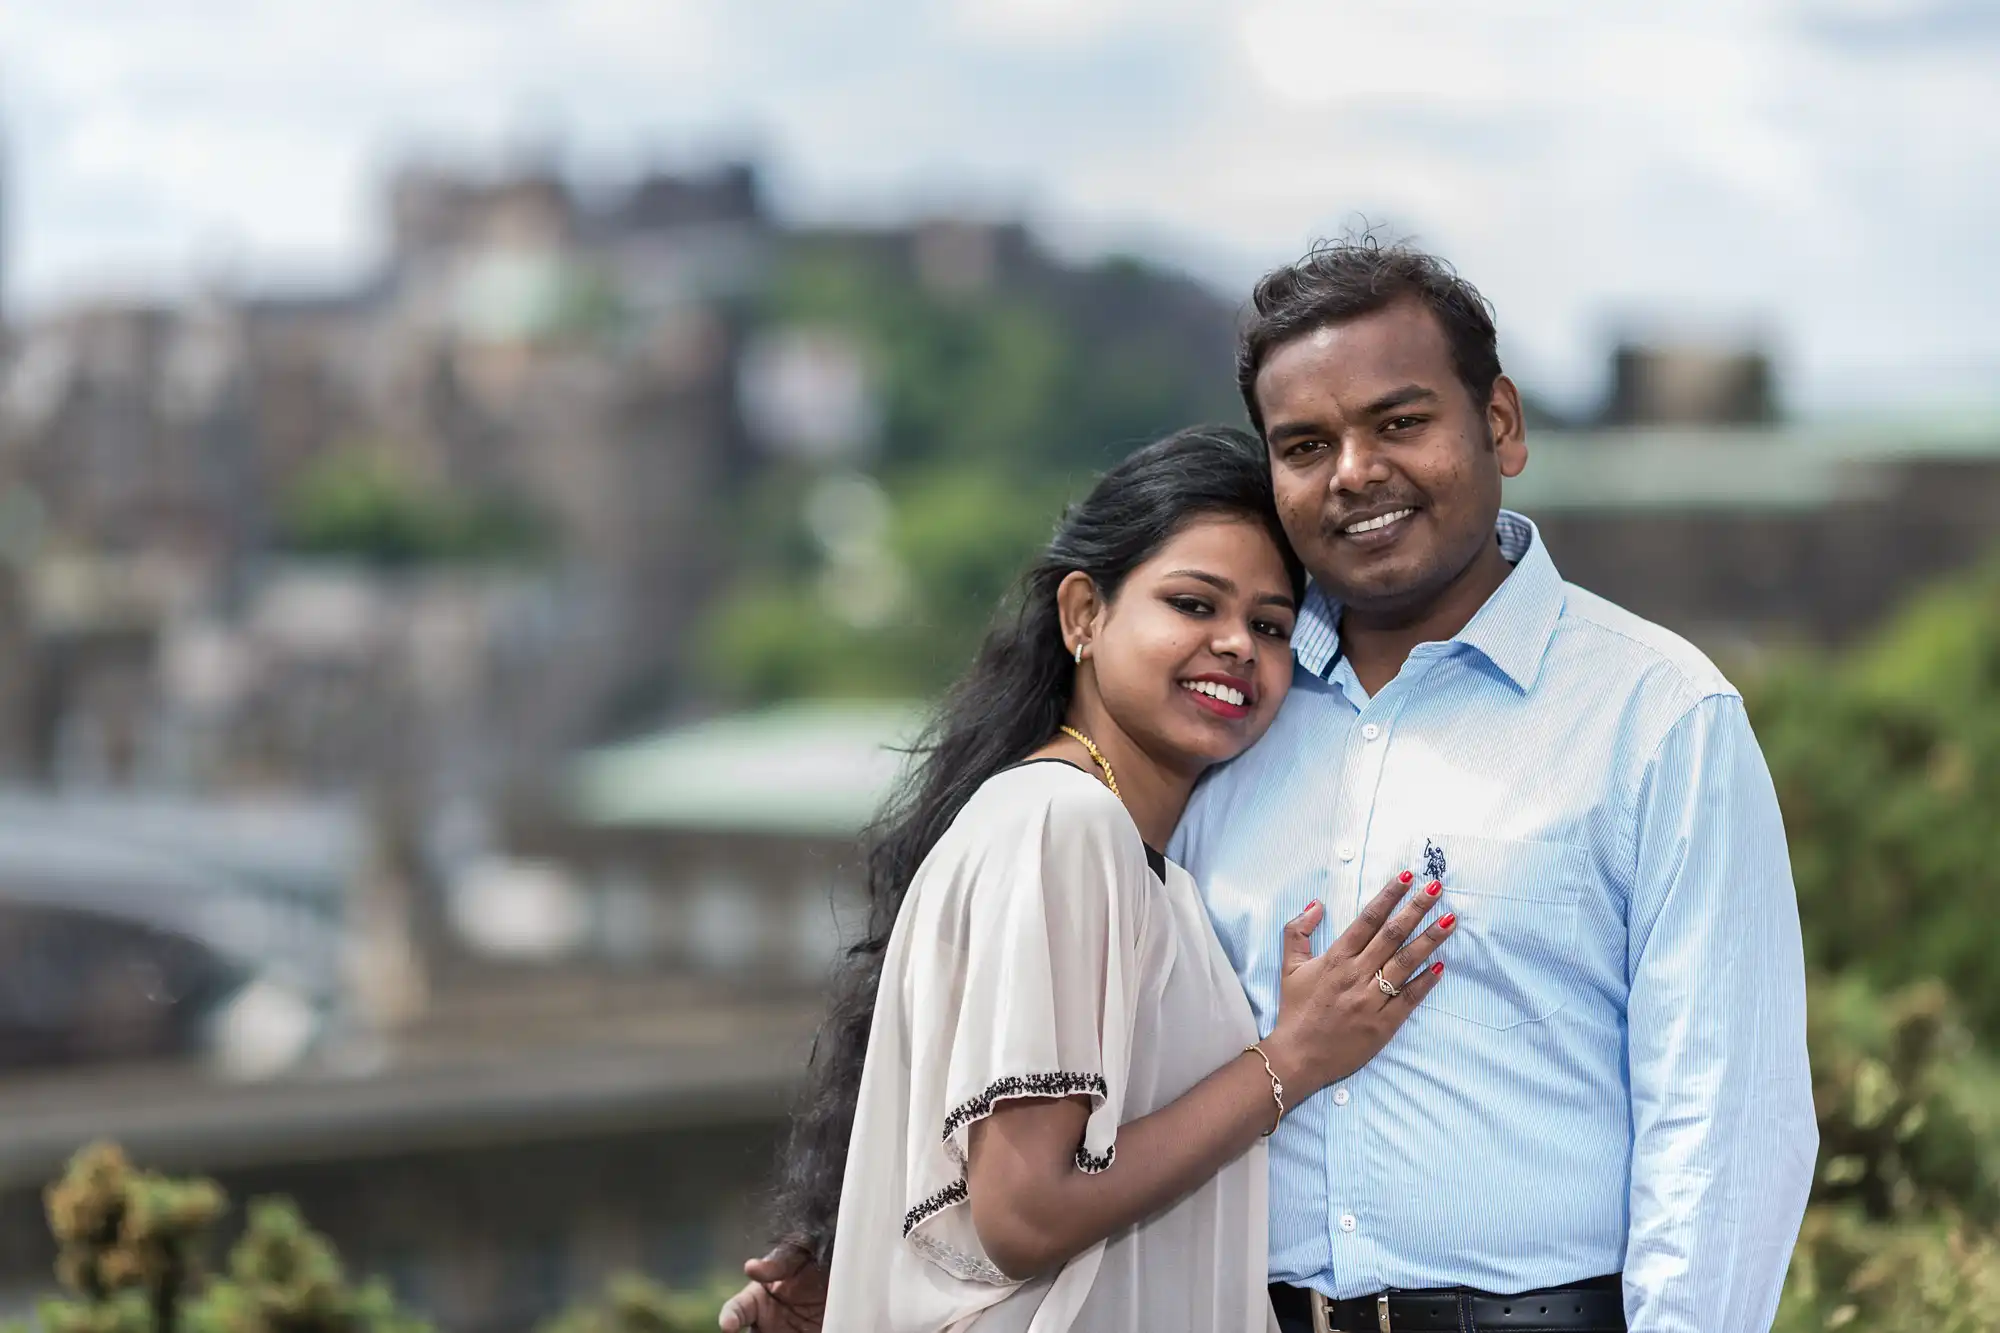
(1155, 858)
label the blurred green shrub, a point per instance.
(635, 1304)
(1887, 764)
(128, 1244)
(1908, 1106)
(129, 1252)
(285, 1278)
(1931, 1276)
(1899, 1237)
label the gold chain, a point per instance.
(1110, 780)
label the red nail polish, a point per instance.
(1406, 877)
(1437, 969)
(1309, 906)
(1434, 888)
(1445, 922)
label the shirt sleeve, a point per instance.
(1028, 994)
(1723, 1126)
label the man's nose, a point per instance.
(1359, 464)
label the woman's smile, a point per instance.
(1225, 696)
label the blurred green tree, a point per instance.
(1057, 369)
(355, 502)
(997, 399)
(955, 541)
(1887, 765)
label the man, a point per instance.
(1606, 1100)
(1612, 1074)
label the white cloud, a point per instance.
(1821, 167)
(1067, 25)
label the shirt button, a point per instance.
(1347, 1221)
(1346, 851)
(1370, 732)
(1340, 1096)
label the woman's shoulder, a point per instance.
(1052, 793)
(1044, 812)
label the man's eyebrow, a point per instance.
(1403, 397)
(1288, 430)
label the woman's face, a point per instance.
(1193, 657)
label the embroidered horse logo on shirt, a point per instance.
(1433, 860)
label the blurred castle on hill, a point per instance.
(304, 600)
(309, 600)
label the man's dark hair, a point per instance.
(1344, 280)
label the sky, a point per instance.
(1823, 175)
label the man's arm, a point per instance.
(1724, 1137)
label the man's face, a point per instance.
(1387, 473)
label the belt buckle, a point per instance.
(1322, 1313)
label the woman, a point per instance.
(1055, 1087)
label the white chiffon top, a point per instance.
(1043, 951)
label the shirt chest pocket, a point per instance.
(1514, 956)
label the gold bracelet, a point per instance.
(1277, 1085)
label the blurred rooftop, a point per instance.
(1789, 466)
(807, 769)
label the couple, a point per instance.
(1139, 1042)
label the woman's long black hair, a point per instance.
(1005, 707)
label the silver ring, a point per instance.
(1386, 986)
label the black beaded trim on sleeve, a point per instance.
(1091, 1163)
(975, 1108)
(1086, 1161)
(937, 1203)
(1022, 1085)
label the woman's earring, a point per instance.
(1079, 652)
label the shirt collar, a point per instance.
(1511, 631)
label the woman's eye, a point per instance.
(1271, 630)
(1193, 606)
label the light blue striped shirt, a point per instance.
(1611, 1073)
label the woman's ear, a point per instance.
(1080, 609)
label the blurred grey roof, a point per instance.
(707, 1063)
(263, 881)
(1784, 467)
(807, 769)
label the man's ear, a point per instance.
(1080, 609)
(1507, 428)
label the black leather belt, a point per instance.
(1596, 1305)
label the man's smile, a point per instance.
(1377, 529)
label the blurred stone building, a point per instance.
(574, 1061)
(517, 344)
(1694, 504)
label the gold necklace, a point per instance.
(1110, 780)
